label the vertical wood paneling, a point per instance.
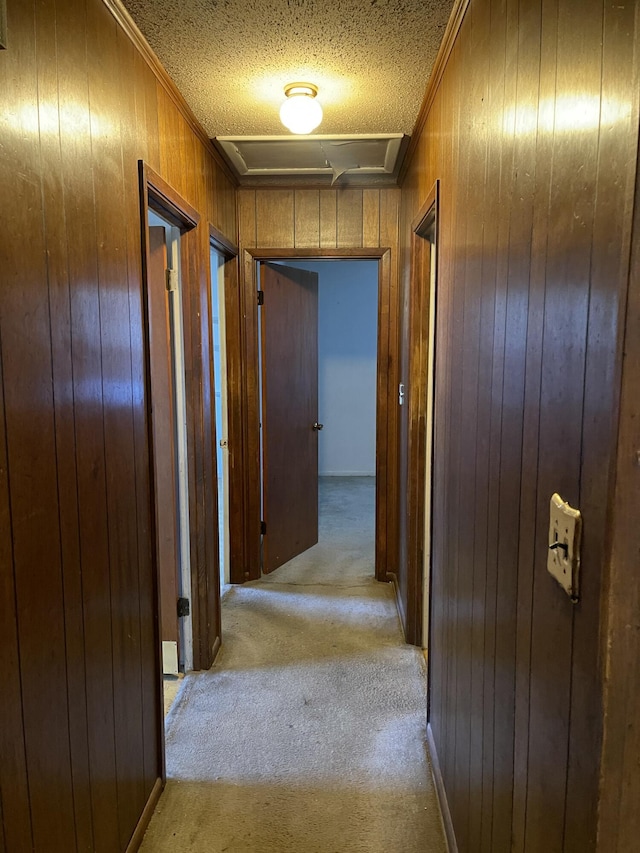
(135, 139)
(247, 218)
(481, 778)
(14, 789)
(568, 277)
(528, 543)
(307, 219)
(349, 229)
(31, 468)
(80, 749)
(62, 376)
(537, 176)
(275, 218)
(328, 219)
(115, 340)
(617, 147)
(371, 217)
(619, 818)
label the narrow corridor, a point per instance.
(308, 734)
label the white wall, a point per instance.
(347, 349)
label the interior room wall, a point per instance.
(532, 131)
(80, 750)
(347, 368)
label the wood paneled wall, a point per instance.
(339, 219)
(618, 813)
(318, 218)
(533, 133)
(80, 747)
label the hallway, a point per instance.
(308, 733)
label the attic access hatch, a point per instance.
(262, 157)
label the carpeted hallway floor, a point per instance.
(308, 734)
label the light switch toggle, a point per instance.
(565, 533)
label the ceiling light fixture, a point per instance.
(301, 113)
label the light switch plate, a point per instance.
(565, 533)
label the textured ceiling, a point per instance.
(231, 59)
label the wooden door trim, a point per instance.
(158, 195)
(229, 252)
(222, 244)
(166, 200)
(420, 287)
(245, 439)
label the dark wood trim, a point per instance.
(446, 46)
(229, 251)
(221, 243)
(156, 193)
(417, 407)
(145, 817)
(427, 212)
(245, 441)
(167, 201)
(145, 254)
(131, 30)
(447, 822)
(317, 254)
(386, 434)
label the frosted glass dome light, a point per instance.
(301, 113)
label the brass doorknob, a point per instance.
(317, 426)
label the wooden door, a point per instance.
(162, 401)
(289, 327)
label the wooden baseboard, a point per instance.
(145, 817)
(442, 794)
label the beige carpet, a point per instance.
(308, 734)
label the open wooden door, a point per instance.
(290, 426)
(163, 420)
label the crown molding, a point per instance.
(130, 28)
(446, 46)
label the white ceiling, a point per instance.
(231, 59)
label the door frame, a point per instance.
(421, 400)
(228, 251)
(243, 366)
(156, 193)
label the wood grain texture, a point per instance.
(163, 421)
(307, 218)
(618, 819)
(534, 247)
(81, 748)
(289, 361)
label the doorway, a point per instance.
(218, 326)
(318, 342)
(243, 342)
(168, 424)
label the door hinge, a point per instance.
(183, 607)
(261, 297)
(172, 280)
(263, 527)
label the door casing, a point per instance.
(244, 440)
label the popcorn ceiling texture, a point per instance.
(232, 58)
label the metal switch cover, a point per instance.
(563, 558)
